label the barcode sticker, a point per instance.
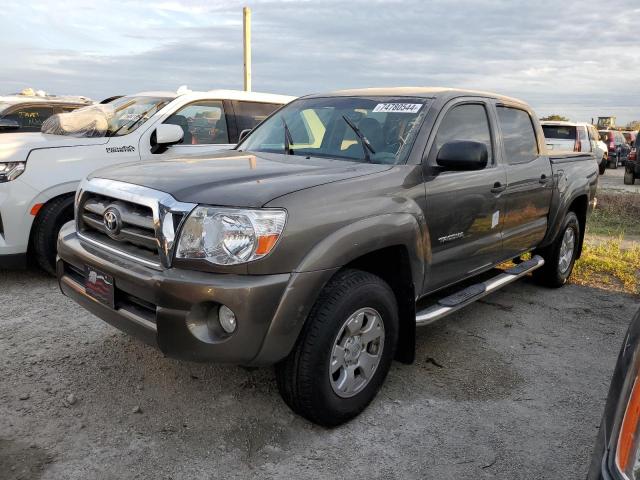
(398, 107)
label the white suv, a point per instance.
(576, 137)
(39, 172)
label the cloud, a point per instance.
(577, 61)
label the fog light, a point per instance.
(227, 319)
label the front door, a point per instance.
(529, 182)
(463, 208)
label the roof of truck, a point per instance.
(223, 95)
(427, 92)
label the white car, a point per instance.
(26, 111)
(39, 172)
(576, 137)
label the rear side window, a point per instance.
(464, 122)
(250, 114)
(520, 144)
(559, 132)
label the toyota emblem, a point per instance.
(112, 221)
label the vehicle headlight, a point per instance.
(229, 236)
(11, 170)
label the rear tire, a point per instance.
(323, 379)
(50, 219)
(603, 166)
(560, 256)
(629, 178)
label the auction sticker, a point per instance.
(398, 107)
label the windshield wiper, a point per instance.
(366, 145)
(288, 139)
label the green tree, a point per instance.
(554, 118)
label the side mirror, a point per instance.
(164, 136)
(244, 133)
(463, 155)
(6, 124)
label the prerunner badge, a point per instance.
(398, 107)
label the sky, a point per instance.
(577, 59)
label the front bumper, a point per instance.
(164, 307)
(16, 200)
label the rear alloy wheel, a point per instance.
(560, 256)
(629, 178)
(344, 351)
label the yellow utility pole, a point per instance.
(246, 24)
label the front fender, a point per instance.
(324, 260)
(366, 236)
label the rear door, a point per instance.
(463, 208)
(529, 181)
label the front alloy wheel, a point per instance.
(356, 353)
(344, 351)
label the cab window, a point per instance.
(250, 114)
(464, 122)
(519, 137)
(202, 122)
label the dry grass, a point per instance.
(609, 266)
(617, 214)
(611, 254)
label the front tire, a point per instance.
(560, 256)
(603, 166)
(629, 178)
(50, 219)
(344, 351)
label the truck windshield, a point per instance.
(560, 132)
(359, 129)
(117, 118)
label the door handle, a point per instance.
(498, 188)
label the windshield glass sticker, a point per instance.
(133, 117)
(398, 107)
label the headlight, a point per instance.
(229, 236)
(11, 170)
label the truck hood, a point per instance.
(238, 179)
(16, 146)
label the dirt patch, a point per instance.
(512, 387)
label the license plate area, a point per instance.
(99, 286)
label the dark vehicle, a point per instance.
(26, 113)
(632, 168)
(337, 226)
(616, 455)
(618, 147)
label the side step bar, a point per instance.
(450, 304)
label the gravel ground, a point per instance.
(613, 181)
(511, 387)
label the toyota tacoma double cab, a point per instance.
(334, 229)
(40, 171)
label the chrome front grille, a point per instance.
(133, 221)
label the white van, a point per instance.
(39, 172)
